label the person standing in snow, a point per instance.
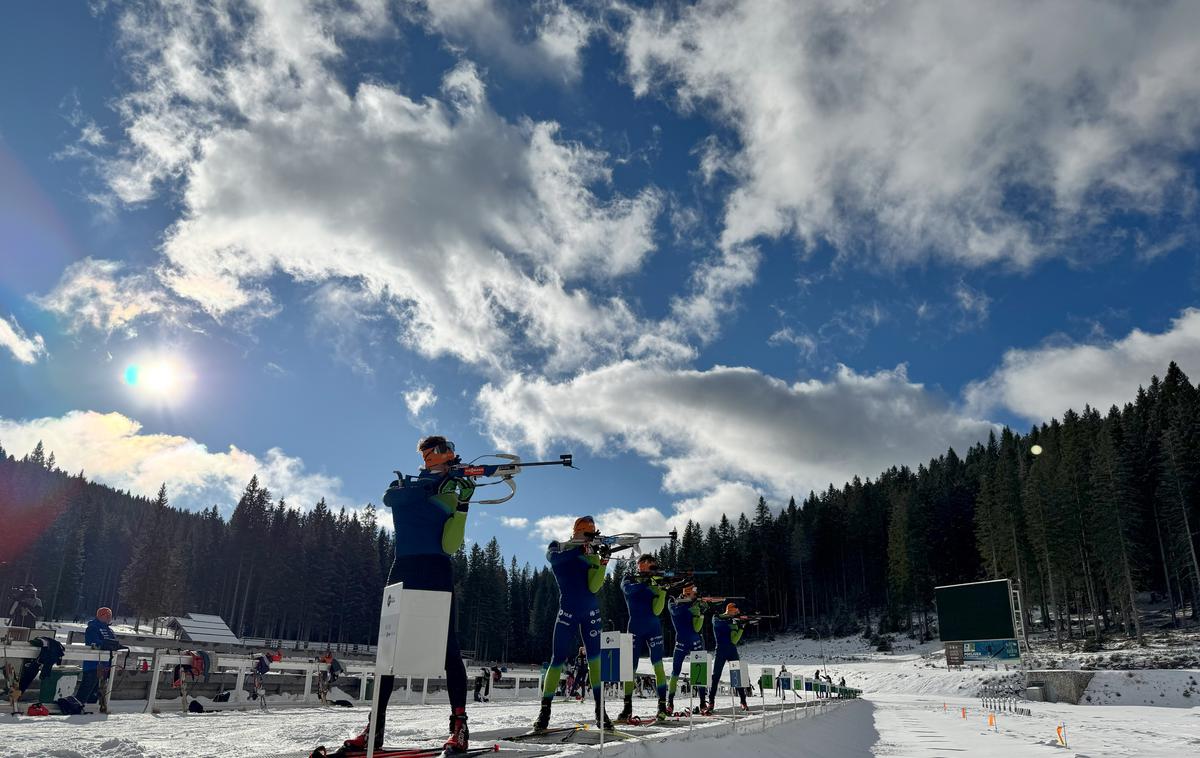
(580, 678)
(429, 513)
(26, 608)
(579, 570)
(646, 600)
(727, 630)
(687, 616)
(99, 635)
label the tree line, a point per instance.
(1105, 514)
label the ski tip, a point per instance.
(495, 748)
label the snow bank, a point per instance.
(1174, 689)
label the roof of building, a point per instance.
(203, 627)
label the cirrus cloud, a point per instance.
(24, 348)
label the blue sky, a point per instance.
(715, 250)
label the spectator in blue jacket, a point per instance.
(99, 635)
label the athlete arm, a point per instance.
(454, 532)
(697, 617)
(596, 568)
(735, 632)
(660, 599)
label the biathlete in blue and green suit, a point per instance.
(646, 600)
(687, 616)
(579, 571)
(429, 512)
(727, 630)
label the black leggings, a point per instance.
(426, 572)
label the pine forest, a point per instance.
(1102, 521)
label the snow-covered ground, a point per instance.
(913, 707)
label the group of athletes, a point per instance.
(579, 566)
(429, 513)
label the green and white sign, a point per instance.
(698, 668)
(766, 679)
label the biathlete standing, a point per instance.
(687, 616)
(727, 630)
(646, 600)
(579, 571)
(429, 513)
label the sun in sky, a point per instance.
(162, 378)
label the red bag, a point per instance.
(37, 709)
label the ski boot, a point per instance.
(602, 719)
(670, 704)
(543, 719)
(627, 710)
(360, 742)
(663, 711)
(459, 734)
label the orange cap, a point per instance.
(731, 609)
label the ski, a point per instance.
(402, 752)
(568, 730)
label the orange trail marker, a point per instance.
(964, 712)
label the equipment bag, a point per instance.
(69, 705)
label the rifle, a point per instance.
(723, 599)
(606, 545)
(677, 579)
(753, 618)
(503, 473)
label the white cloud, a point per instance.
(98, 294)
(555, 527)
(24, 348)
(420, 398)
(481, 237)
(977, 132)
(543, 38)
(113, 449)
(800, 340)
(725, 435)
(647, 521)
(974, 306)
(516, 522)
(1042, 383)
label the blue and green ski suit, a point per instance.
(728, 633)
(429, 512)
(688, 619)
(580, 576)
(645, 601)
